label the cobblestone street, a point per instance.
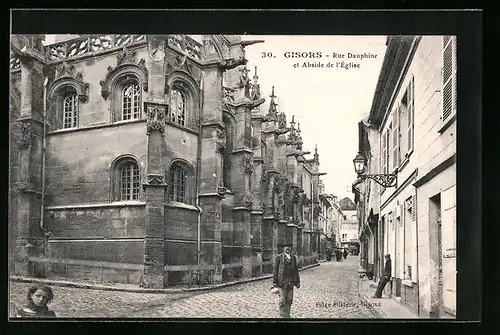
(327, 291)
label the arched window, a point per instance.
(129, 184)
(64, 107)
(178, 107)
(131, 101)
(125, 179)
(70, 110)
(181, 185)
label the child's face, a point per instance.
(40, 298)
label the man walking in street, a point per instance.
(285, 277)
(386, 277)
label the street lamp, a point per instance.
(385, 180)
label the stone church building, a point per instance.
(151, 160)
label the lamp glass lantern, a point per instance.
(359, 163)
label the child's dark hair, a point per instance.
(46, 288)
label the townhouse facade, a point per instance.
(328, 226)
(411, 132)
(349, 230)
(151, 160)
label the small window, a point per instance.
(70, 110)
(178, 107)
(180, 186)
(128, 181)
(131, 101)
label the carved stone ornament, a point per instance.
(156, 47)
(246, 161)
(231, 63)
(174, 63)
(25, 135)
(316, 211)
(221, 140)
(156, 118)
(265, 177)
(282, 121)
(221, 191)
(126, 58)
(155, 179)
(65, 72)
(142, 66)
(278, 184)
(296, 196)
(247, 200)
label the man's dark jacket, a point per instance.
(279, 271)
(388, 269)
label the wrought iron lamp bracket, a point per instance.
(385, 180)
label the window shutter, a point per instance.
(387, 146)
(402, 211)
(384, 153)
(392, 217)
(395, 139)
(413, 208)
(449, 77)
(411, 113)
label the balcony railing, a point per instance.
(15, 62)
(95, 44)
(89, 44)
(228, 93)
(186, 45)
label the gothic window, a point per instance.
(125, 180)
(70, 109)
(131, 101)
(64, 107)
(127, 98)
(180, 183)
(178, 107)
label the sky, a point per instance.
(328, 102)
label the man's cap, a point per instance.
(387, 255)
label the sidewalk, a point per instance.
(386, 306)
(134, 289)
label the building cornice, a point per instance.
(396, 56)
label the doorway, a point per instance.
(436, 254)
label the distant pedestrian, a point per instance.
(338, 256)
(329, 255)
(285, 277)
(386, 277)
(345, 253)
(39, 296)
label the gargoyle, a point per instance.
(231, 63)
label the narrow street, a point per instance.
(327, 291)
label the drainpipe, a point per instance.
(44, 149)
(198, 173)
(416, 247)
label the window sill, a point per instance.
(173, 124)
(405, 161)
(98, 205)
(447, 123)
(113, 124)
(174, 204)
(408, 282)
